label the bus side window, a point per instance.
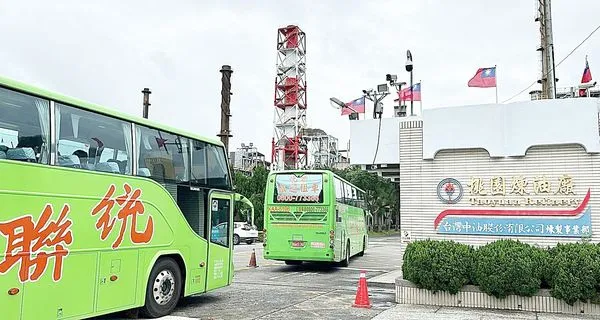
(92, 141)
(24, 127)
(162, 155)
(347, 194)
(339, 191)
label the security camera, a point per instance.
(409, 62)
(391, 78)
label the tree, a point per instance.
(253, 188)
(381, 196)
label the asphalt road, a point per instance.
(274, 290)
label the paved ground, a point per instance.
(413, 312)
(320, 291)
(309, 291)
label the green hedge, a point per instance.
(508, 267)
(505, 267)
(438, 265)
(573, 272)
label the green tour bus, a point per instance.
(313, 215)
(103, 212)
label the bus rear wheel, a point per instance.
(293, 262)
(163, 289)
(362, 253)
(346, 261)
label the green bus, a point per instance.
(313, 215)
(103, 212)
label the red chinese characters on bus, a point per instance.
(28, 243)
(129, 206)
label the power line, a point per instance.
(556, 66)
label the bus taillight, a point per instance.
(264, 237)
(331, 238)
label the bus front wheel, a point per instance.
(163, 289)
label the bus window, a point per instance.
(220, 223)
(217, 172)
(162, 155)
(24, 127)
(198, 177)
(347, 194)
(92, 141)
(361, 199)
(298, 188)
(339, 190)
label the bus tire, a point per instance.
(236, 239)
(362, 253)
(163, 289)
(293, 262)
(346, 261)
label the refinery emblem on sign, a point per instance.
(449, 191)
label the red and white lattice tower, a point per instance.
(289, 150)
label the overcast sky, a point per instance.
(107, 51)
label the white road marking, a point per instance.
(365, 269)
(283, 275)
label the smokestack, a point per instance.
(146, 102)
(225, 133)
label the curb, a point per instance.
(383, 285)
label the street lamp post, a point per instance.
(409, 68)
(338, 104)
(392, 78)
(377, 97)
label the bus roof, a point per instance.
(42, 93)
(316, 171)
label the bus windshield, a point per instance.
(298, 188)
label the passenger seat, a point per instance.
(21, 154)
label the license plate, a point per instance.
(297, 244)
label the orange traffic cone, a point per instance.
(252, 260)
(362, 294)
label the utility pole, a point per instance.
(146, 102)
(225, 133)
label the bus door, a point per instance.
(220, 246)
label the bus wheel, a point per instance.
(346, 260)
(293, 262)
(236, 239)
(362, 253)
(163, 289)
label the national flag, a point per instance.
(585, 78)
(484, 78)
(406, 95)
(355, 106)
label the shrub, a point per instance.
(438, 265)
(573, 272)
(506, 267)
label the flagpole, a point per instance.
(496, 75)
(421, 100)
